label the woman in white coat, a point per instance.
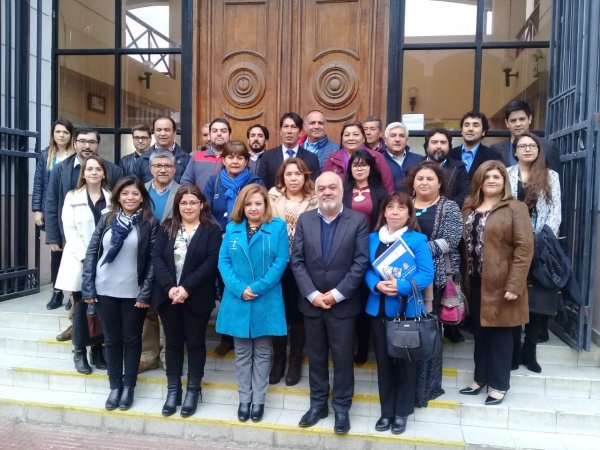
(82, 210)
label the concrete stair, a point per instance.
(559, 408)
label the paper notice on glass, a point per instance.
(397, 262)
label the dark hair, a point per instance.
(517, 105)
(81, 180)
(475, 197)
(294, 116)
(538, 175)
(164, 117)
(402, 198)
(485, 123)
(409, 181)
(235, 148)
(124, 182)
(52, 148)
(374, 119)
(238, 214)
(141, 127)
(374, 178)
(220, 120)
(173, 224)
(429, 134)
(308, 189)
(264, 129)
(352, 123)
(86, 130)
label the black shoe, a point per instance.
(529, 356)
(193, 394)
(56, 300)
(244, 412)
(453, 334)
(126, 398)
(277, 372)
(173, 400)
(342, 423)
(399, 425)
(80, 360)
(362, 355)
(312, 416)
(97, 357)
(493, 400)
(543, 336)
(383, 424)
(67, 306)
(471, 391)
(113, 399)
(257, 412)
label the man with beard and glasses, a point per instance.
(257, 135)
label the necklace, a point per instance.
(424, 210)
(359, 193)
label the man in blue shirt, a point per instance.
(316, 140)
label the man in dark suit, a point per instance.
(518, 117)
(290, 126)
(473, 127)
(330, 256)
(142, 138)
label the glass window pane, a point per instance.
(441, 83)
(525, 71)
(151, 87)
(86, 24)
(86, 90)
(440, 21)
(107, 147)
(156, 24)
(517, 20)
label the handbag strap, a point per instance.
(422, 312)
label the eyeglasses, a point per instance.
(186, 204)
(163, 166)
(84, 142)
(360, 166)
(532, 146)
(140, 138)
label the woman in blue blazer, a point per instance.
(396, 377)
(253, 257)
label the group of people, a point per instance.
(287, 238)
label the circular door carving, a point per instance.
(335, 85)
(244, 86)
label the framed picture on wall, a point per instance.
(96, 103)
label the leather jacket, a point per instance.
(145, 271)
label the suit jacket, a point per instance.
(483, 154)
(199, 268)
(550, 149)
(347, 266)
(127, 163)
(272, 160)
(60, 184)
(168, 212)
(457, 179)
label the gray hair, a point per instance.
(393, 126)
(160, 154)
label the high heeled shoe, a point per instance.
(495, 400)
(470, 390)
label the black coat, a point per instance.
(272, 160)
(40, 182)
(59, 186)
(199, 269)
(145, 272)
(378, 195)
(127, 163)
(483, 154)
(457, 180)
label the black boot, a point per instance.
(296, 348)
(97, 357)
(193, 393)
(56, 300)
(173, 396)
(126, 398)
(529, 357)
(114, 397)
(80, 360)
(279, 353)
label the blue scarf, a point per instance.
(121, 225)
(233, 187)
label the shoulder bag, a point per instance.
(453, 304)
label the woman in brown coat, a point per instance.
(499, 247)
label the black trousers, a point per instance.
(537, 323)
(184, 327)
(325, 333)
(55, 257)
(80, 336)
(397, 378)
(291, 297)
(122, 324)
(493, 346)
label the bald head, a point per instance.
(330, 192)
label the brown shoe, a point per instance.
(223, 348)
(147, 365)
(65, 335)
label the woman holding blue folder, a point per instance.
(396, 378)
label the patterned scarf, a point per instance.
(121, 226)
(233, 186)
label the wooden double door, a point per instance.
(255, 60)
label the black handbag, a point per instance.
(413, 339)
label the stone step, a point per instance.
(520, 411)
(279, 428)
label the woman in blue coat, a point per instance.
(253, 257)
(396, 378)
